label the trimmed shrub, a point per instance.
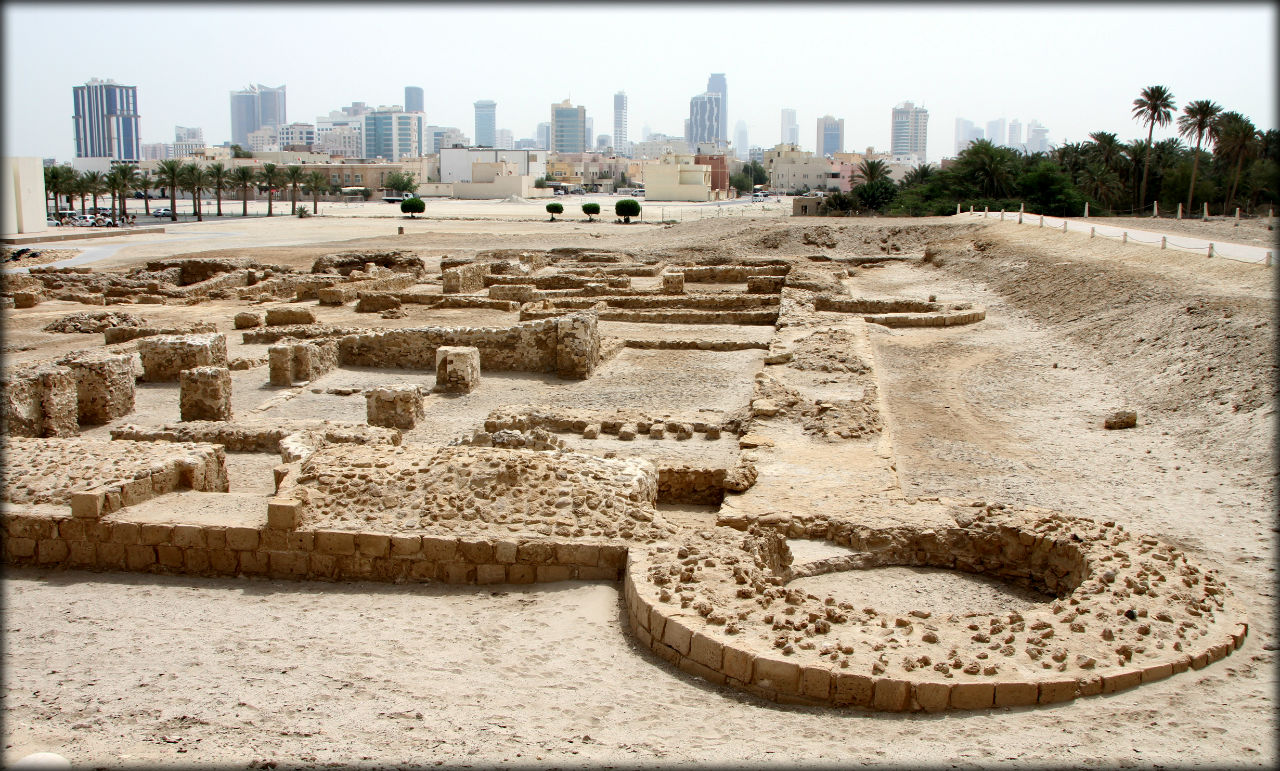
(412, 206)
(554, 209)
(627, 208)
(590, 209)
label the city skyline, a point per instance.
(1090, 90)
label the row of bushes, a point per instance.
(626, 209)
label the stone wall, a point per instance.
(105, 385)
(728, 274)
(340, 294)
(465, 278)
(292, 361)
(394, 406)
(457, 369)
(39, 401)
(293, 442)
(205, 393)
(164, 356)
(902, 312)
(115, 335)
(277, 317)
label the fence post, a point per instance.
(1086, 210)
(1179, 210)
(1092, 229)
(1210, 254)
(1022, 207)
(1019, 218)
(971, 208)
(1237, 212)
(985, 211)
(957, 208)
(1163, 240)
(1064, 226)
(1124, 238)
(1206, 210)
(1041, 220)
(1268, 260)
(1155, 208)
(1002, 215)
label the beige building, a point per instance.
(22, 198)
(498, 179)
(678, 178)
(809, 172)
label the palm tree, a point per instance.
(271, 176)
(293, 176)
(127, 178)
(1154, 105)
(50, 189)
(146, 184)
(196, 179)
(918, 175)
(1237, 140)
(1101, 183)
(95, 184)
(113, 184)
(317, 183)
(873, 171)
(217, 173)
(243, 177)
(1106, 148)
(1199, 120)
(987, 167)
(61, 181)
(169, 174)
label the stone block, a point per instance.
(205, 393)
(1016, 694)
(577, 345)
(852, 689)
(673, 283)
(505, 551)
(39, 401)
(300, 361)
(155, 534)
(521, 574)
(1119, 681)
(893, 695)
(284, 316)
(815, 683)
(406, 545)
(439, 549)
(376, 302)
(678, 635)
(335, 543)
(242, 538)
(932, 697)
(552, 573)
(88, 504)
(1055, 691)
(51, 551)
(105, 385)
(457, 368)
(1157, 672)
(777, 675)
(373, 544)
(248, 320)
(706, 651)
(165, 356)
(195, 561)
(283, 513)
(491, 574)
(397, 406)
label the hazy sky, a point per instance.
(1075, 68)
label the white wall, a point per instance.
(455, 162)
(22, 194)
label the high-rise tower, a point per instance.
(254, 108)
(716, 85)
(106, 120)
(413, 101)
(790, 129)
(486, 123)
(909, 133)
(621, 144)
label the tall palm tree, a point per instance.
(169, 174)
(196, 180)
(146, 184)
(50, 189)
(271, 176)
(1101, 183)
(1237, 140)
(1153, 106)
(1199, 120)
(1106, 148)
(293, 176)
(127, 178)
(95, 184)
(987, 167)
(218, 174)
(918, 175)
(243, 177)
(113, 185)
(317, 183)
(872, 171)
(61, 181)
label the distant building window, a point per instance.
(359, 179)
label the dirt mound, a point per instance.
(828, 350)
(93, 322)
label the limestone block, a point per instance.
(375, 302)
(892, 695)
(673, 283)
(299, 361)
(281, 316)
(206, 393)
(27, 299)
(765, 284)
(164, 356)
(521, 293)
(932, 697)
(457, 369)
(39, 402)
(248, 320)
(777, 675)
(577, 345)
(397, 406)
(105, 386)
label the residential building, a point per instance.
(1015, 134)
(755, 154)
(830, 136)
(1037, 138)
(456, 162)
(966, 134)
(658, 145)
(413, 100)
(603, 143)
(393, 134)
(792, 174)
(620, 143)
(568, 128)
(528, 143)
(716, 85)
(679, 178)
(297, 136)
(790, 134)
(783, 152)
(155, 151)
(497, 179)
(505, 140)
(187, 141)
(256, 107)
(740, 140)
(706, 112)
(106, 120)
(909, 133)
(486, 123)
(718, 164)
(347, 126)
(263, 140)
(996, 131)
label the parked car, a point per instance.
(51, 222)
(82, 221)
(638, 191)
(162, 212)
(759, 197)
(68, 213)
(577, 191)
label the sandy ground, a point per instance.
(123, 670)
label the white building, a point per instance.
(658, 145)
(497, 179)
(440, 137)
(264, 140)
(1037, 138)
(298, 134)
(909, 134)
(505, 140)
(393, 134)
(790, 129)
(456, 163)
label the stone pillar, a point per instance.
(577, 345)
(206, 393)
(673, 283)
(280, 364)
(457, 368)
(397, 406)
(39, 402)
(105, 386)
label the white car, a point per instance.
(759, 197)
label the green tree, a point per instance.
(169, 175)
(123, 178)
(590, 209)
(554, 209)
(196, 180)
(243, 177)
(401, 182)
(1153, 107)
(1198, 120)
(876, 195)
(293, 176)
(415, 205)
(917, 176)
(271, 177)
(219, 180)
(146, 185)
(871, 171)
(61, 180)
(988, 169)
(94, 184)
(239, 152)
(1237, 140)
(1101, 184)
(626, 209)
(316, 183)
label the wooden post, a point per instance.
(1179, 211)
(1086, 210)
(1210, 254)
(1092, 230)
(1041, 220)
(1124, 238)
(1206, 210)
(1163, 241)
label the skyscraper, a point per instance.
(392, 133)
(486, 123)
(716, 85)
(830, 136)
(620, 136)
(106, 120)
(996, 131)
(1037, 138)
(966, 134)
(790, 129)
(413, 101)
(740, 140)
(256, 107)
(568, 128)
(706, 112)
(909, 133)
(544, 136)
(1015, 134)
